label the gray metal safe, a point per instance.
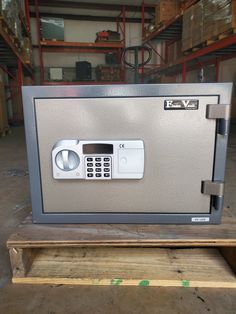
(127, 153)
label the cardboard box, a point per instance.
(187, 29)
(174, 51)
(166, 10)
(167, 79)
(108, 73)
(28, 81)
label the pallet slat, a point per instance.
(196, 267)
(35, 235)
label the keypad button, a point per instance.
(90, 175)
(98, 164)
(106, 159)
(98, 175)
(90, 164)
(106, 169)
(106, 164)
(90, 169)
(98, 169)
(106, 175)
(98, 159)
(89, 159)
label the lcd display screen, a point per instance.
(98, 148)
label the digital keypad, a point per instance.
(98, 168)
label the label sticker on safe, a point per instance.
(181, 104)
(200, 219)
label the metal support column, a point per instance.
(39, 42)
(142, 51)
(217, 69)
(27, 14)
(184, 72)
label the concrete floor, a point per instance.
(15, 205)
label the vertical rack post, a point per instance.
(142, 51)
(19, 73)
(123, 13)
(184, 72)
(217, 64)
(39, 42)
(27, 14)
(20, 83)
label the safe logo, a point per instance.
(181, 104)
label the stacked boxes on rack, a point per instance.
(10, 12)
(219, 17)
(187, 29)
(192, 33)
(174, 51)
(108, 73)
(166, 10)
(207, 19)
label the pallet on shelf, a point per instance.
(110, 254)
(211, 40)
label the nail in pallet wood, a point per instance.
(144, 255)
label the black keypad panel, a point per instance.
(98, 168)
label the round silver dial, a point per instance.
(67, 160)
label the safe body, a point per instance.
(163, 148)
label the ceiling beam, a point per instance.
(92, 6)
(90, 18)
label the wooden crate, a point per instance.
(142, 255)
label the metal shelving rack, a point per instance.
(11, 60)
(82, 47)
(212, 54)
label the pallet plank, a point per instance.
(196, 267)
(52, 235)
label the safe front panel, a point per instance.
(178, 148)
(164, 147)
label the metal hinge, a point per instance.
(215, 188)
(222, 113)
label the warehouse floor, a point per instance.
(15, 205)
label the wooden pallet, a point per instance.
(143, 255)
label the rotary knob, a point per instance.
(67, 160)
